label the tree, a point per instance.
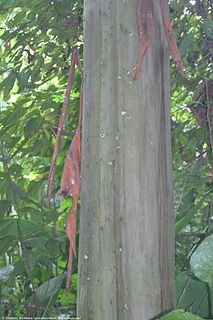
(37, 38)
(126, 257)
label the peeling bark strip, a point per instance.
(74, 61)
(70, 185)
(144, 17)
(144, 23)
(171, 37)
(70, 181)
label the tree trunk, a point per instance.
(126, 253)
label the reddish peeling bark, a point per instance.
(70, 181)
(144, 17)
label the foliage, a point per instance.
(192, 133)
(202, 260)
(193, 295)
(36, 41)
(180, 315)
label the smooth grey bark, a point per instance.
(126, 253)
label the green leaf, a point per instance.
(23, 80)
(49, 289)
(20, 267)
(5, 272)
(15, 113)
(186, 43)
(74, 284)
(180, 224)
(32, 126)
(31, 258)
(12, 227)
(8, 227)
(6, 243)
(53, 247)
(180, 315)
(6, 128)
(30, 228)
(208, 28)
(66, 298)
(187, 202)
(5, 207)
(7, 84)
(202, 260)
(193, 293)
(36, 242)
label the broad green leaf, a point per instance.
(193, 293)
(49, 289)
(17, 228)
(202, 260)
(5, 272)
(180, 315)
(30, 228)
(8, 227)
(36, 242)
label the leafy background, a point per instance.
(35, 47)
